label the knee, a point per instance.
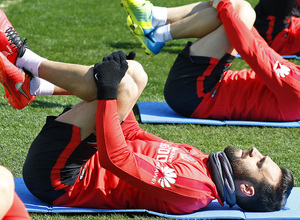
(128, 89)
(245, 12)
(6, 190)
(138, 74)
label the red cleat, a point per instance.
(16, 84)
(11, 45)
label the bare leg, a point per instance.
(194, 20)
(197, 25)
(213, 40)
(77, 79)
(60, 91)
(6, 190)
(83, 115)
(178, 13)
(74, 78)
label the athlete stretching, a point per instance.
(200, 84)
(94, 155)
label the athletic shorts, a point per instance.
(281, 33)
(55, 159)
(191, 77)
(287, 41)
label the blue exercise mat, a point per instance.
(213, 211)
(160, 112)
(284, 56)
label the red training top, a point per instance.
(260, 93)
(135, 169)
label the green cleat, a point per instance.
(148, 42)
(140, 12)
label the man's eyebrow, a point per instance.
(263, 160)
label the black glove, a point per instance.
(109, 73)
(131, 56)
(119, 55)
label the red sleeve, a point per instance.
(243, 40)
(17, 210)
(260, 57)
(132, 130)
(139, 170)
(114, 153)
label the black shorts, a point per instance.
(272, 17)
(182, 86)
(56, 156)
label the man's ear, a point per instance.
(246, 188)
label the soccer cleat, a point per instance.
(152, 46)
(11, 45)
(16, 84)
(140, 12)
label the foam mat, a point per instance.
(160, 112)
(213, 211)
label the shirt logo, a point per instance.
(281, 70)
(168, 178)
(188, 158)
(19, 87)
(166, 153)
(6, 53)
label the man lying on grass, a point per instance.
(200, 83)
(95, 154)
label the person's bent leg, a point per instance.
(68, 78)
(7, 187)
(178, 13)
(76, 79)
(131, 86)
(280, 76)
(204, 21)
(70, 137)
(164, 31)
(198, 69)
(197, 25)
(11, 206)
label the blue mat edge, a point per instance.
(42, 207)
(283, 56)
(205, 213)
(164, 114)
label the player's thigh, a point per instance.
(137, 73)
(215, 45)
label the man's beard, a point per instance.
(240, 171)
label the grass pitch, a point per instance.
(83, 32)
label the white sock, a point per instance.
(159, 16)
(30, 61)
(162, 33)
(40, 86)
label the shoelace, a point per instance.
(15, 39)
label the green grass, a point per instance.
(83, 32)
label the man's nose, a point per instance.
(255, 153)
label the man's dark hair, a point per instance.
(266, 197)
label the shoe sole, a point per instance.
(138, 30)
(132, 27)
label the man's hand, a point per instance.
(120, 55)
(109, 73)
